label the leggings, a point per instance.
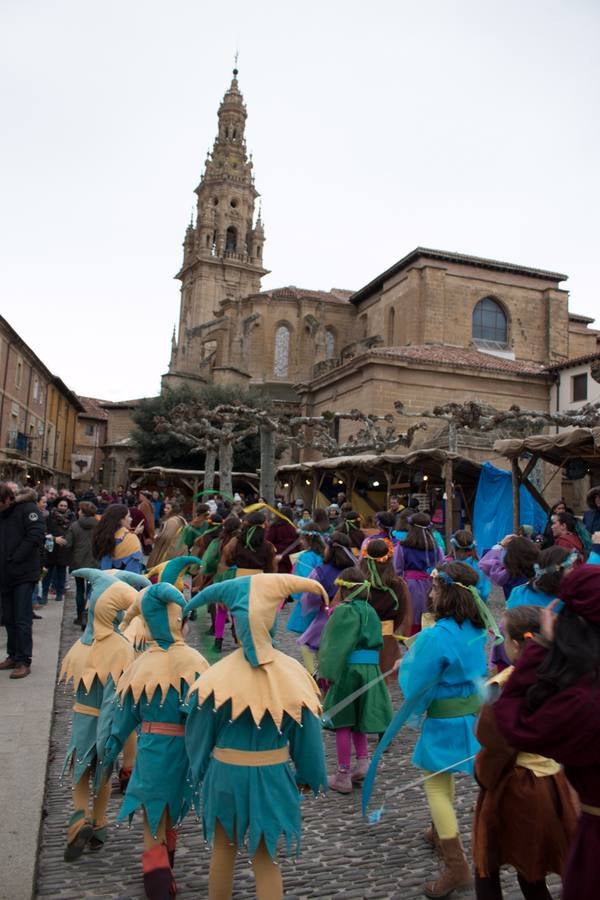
(439, 790)
(344, 738)
(490, 888)
(267, 874)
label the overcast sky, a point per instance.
(465, 125)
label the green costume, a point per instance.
(354, 627)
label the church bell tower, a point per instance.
(223, 247)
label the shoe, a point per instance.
(340, 782)
(75, 848)
(359, 771)
(43, 601)
(20, 671)
(8, 663)
(59, 599)
(456, 875)
(158, 877)
(98, 839)
(35, 616)
(431, 837)
(77, 620)
(218, 644)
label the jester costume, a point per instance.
(250, 714)
(150, 694)
(94, 664)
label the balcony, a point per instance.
(21, 442)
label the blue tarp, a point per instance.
(493, 512)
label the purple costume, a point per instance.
(325, 574)
(414, 566)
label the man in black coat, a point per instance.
(22, 533)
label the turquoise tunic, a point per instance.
(352, 626)
(160, 778)
(87, 731)
(254, 803)
(447, 660)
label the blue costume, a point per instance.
(94, 664)
(253, 733)
(150, 694)
(305, 564)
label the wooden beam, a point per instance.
(529, 467)
(449, 509)
(516, 484)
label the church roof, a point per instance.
(446, 256)
(442, 355)
(291, 292)
(575, 361)
(92, 408)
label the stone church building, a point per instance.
(436, 326)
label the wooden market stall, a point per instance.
(450, 474)
(189, 481)
(581, 445)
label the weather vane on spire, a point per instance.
(237, 55)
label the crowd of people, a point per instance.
(512, 703)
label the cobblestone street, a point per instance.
(342, 854)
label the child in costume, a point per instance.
(525, 816)
(114, 545)
(249, 713)
(550, 706)
(552, 566)
(338, 556)
(350, 524)
(95, 663)
(440, 678)
(250, 552)
(464, 549)
(385, 522)
(414, 558)
(349, 659)
(311, 555)
(510, 563)
(150, 693)
(389, 597)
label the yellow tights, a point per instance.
(439, 790)
(93, 809)
(267, 874)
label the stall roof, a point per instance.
(190, 473)
(554, 448)
(427, 460)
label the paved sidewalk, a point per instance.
(25, 722)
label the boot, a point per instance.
(218, 644)
(79, 833)
(171, 845)
(158, 878)
(456, 874)
(8, 663)
(99, 836)
(431, 837)
(360, 769)
(340, 782)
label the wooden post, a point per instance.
(516, 484)
(449, 509)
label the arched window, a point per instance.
(391, 316)
(490, 322)
(329, 343)
(282, 351)
(231, 240)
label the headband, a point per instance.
(387, 556)
(359, 588)
(556, 567)
(458, 546)
(488, 620)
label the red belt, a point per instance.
(163, 728)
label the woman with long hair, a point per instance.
(550, 706)
(250, 551)
(525, 816)
(114, 545)
(168, 539)
(350, 524)
(414, 559)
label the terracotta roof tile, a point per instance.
(439, 354)
(92, 407)
(575, 361)
(335, 295)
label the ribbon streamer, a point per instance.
(254, 507)
(326, 719)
